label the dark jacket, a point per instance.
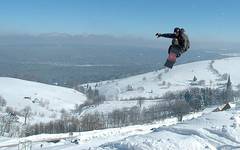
(182, 39)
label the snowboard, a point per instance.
(171, 60)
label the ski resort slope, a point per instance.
(155, 84)
(230, 66)
(216, 130)
(42, 98)
(151, 86)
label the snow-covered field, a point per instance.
(44, 100)
(205, 130)
(109, 106)
(215, 130)
(154, 84)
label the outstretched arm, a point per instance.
(166, 35)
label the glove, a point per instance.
(158, 35)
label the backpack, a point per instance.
(186, 44)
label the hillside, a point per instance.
(46, 101)
(151, 86)
(214, 130)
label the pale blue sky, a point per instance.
(205, 19)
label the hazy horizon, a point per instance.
(105, 39)
(208, 23)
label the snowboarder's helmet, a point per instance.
(176, 30)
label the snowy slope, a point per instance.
(20, 93)
(206, 130)
(211, 131)
(91, 139)
(231, 66)
(153, 85)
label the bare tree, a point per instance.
(180, 108)
(27, 113)
(92, 122)
(9, 124)
(140, 102)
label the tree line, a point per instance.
(175, 104)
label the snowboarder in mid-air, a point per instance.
(180, 44)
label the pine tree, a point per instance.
(194, 78)
(229, 91)
(187, 96)
(229, 84)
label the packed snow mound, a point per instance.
(42, 98)
(215, 130)
(210, 73)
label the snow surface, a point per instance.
(92, 139)
(211, 131)
(150, 85)
(110, 106)
(204, 130)
(20, 93)
(230, 66)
